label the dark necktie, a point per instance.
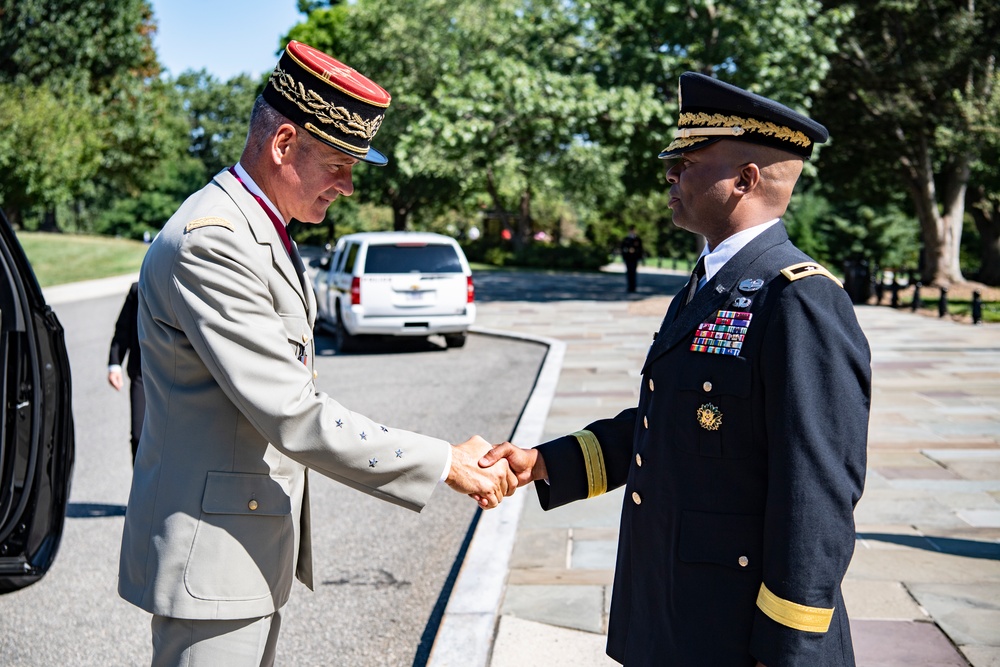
(696, 276)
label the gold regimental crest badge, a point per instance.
(709, 417)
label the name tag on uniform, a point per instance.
(722, 334)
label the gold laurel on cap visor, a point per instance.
(695, 128)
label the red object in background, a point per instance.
(505, 235)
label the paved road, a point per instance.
(379, 569)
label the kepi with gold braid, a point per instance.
(711, 110)
(333, 102)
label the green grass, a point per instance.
(68, 258)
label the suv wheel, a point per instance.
(454, 340)
(343, 340)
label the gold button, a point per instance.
(638, 460)
(744, 561)
(651, 384)
(315, 374)
(252, 505)
(636, 499)
(707, 386)
(645, 422)
(305, 338)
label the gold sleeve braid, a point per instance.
(793, 615)
(593, 460)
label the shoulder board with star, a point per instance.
(211, 221)
(806, 269)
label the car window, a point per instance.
(430, 258)
(352, 254)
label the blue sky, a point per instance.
(226, 37)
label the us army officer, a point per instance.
(218, 516)
(745, 456)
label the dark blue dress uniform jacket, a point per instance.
(734, 541)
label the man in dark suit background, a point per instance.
(126, 343)
(745, 456)
(632, 254)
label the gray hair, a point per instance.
(264, 122)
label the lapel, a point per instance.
(713, 296)
(265, 234)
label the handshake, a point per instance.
(487, 473)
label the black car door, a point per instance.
(36, 422)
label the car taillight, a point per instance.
(356, 291)
(471, 291)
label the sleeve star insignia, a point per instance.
(372, 462)
(340, 424)
(363, 436)
(399, 453)
(384, 429)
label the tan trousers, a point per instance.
(248, 642)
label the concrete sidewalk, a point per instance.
(924, 585)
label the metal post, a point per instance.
(917, 303)
(977, 307)
(943, 302)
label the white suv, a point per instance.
(397, 284)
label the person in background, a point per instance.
(125, 343)
(632, 254)
(745, 456)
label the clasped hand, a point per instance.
(488, 473)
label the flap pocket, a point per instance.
(733, 540)
(245, 493)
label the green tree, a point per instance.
(911, 96)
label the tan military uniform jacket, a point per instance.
(218, 516)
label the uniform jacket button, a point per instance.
(636, 498)
(638, 460)
(707, 386)
(651, 384)
(315, 374)
(645, 422)
(305, 338)
(252, 505)
(744, 561)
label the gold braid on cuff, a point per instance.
(793, 615)
(593, 461)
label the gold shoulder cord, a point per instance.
(793, 615)
(806, 269)
(209, 222)
(593, 460)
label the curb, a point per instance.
(466, 633)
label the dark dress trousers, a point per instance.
(741, 472)
(124, 343)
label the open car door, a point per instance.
(36, 422)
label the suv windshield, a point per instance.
(429, 258)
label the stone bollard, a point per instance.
(943, 302)
(917, 303)
(977, 307)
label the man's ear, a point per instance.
(281, 142)
(747, 179)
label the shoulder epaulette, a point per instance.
(806, 269)
(211, 221)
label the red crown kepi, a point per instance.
(333, 102)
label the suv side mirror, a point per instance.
(324, 263)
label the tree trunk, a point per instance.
(523, 235)
(400, 215)
(985, 212)
(941, 229)
(13, 216)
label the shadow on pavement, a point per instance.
(543, 286)
(945, 545)
(93, 510)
